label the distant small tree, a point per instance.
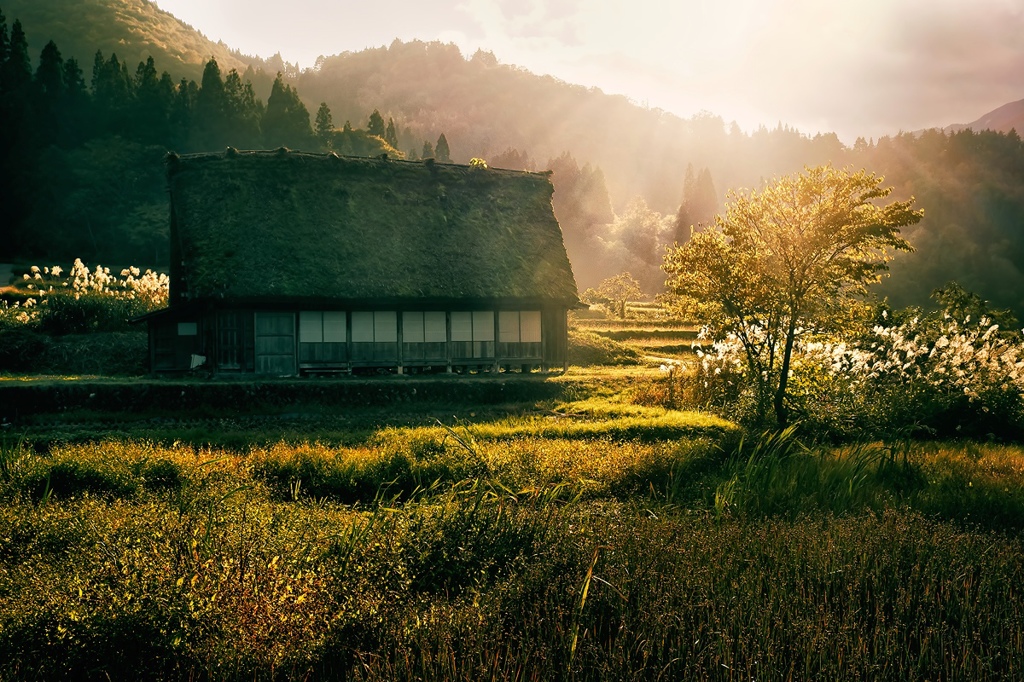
(428, 151)
(375, 126)
(391, 133)
(324, 127)
(441, 151)
(615, 292)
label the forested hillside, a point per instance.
(84, 138)
(133, 29)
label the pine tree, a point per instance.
(243, 113)
(5, 43)
(112, 90)
(18, 158)
(75, 107)
(49, 78)
(375, 126)
(684, 220)
(391, 134)
(48, 93)
(705, 200)
(441, 151)
(324, 127)
(151, 110)
(210, 115)
(428, 151)
(185, 96)
(286, 123)
(699, 204)
(16, 72)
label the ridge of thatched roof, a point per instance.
(292, 225)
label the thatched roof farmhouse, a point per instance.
(285, 262)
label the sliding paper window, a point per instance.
(322, 327)
(375, 327)
(424, 327)
(519, 326)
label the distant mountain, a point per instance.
(1004, 119)
(133, 29)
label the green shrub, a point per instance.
(21, 349)
(589, 348)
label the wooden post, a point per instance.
(448, 341)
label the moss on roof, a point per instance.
(289, 225)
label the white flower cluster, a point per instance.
(150, 287)
(148, 290)
(960, 359)
(721, 356)
(20, 312)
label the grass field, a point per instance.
(571, 534)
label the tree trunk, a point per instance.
(781, 415)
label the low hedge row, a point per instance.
(19, 400)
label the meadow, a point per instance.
(590, 533)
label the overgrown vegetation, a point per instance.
(475, 550)
(595, 533)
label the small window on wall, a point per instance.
(375, 326)
(473, 326)
(322, 327)
(425, 327)
(188, 328)
(516, 326)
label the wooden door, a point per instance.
(275, 343)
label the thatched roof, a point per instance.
(283, 225)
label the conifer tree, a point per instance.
(324, 127)
(441, 152)
(375, 126)
(243, 113)
(286, 123)
(5, 42)
(182, 108)
(16, 72)
(209, 117)
(74, 109)
(391, 134)
(428, 151)
(17, 135)
(698, 206)
(48, 94)
(152, 110)
(112, 91)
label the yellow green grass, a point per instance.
(581, 539)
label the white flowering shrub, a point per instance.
(937, 376)
(718, 380)
(82, 299)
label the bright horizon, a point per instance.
(870, 69)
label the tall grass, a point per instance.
(454, 553)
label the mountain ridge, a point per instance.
(1003, 119)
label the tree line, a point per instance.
(81, 159)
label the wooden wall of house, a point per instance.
(290, 342)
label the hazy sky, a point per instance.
(870, 67)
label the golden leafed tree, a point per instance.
(785, 260)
